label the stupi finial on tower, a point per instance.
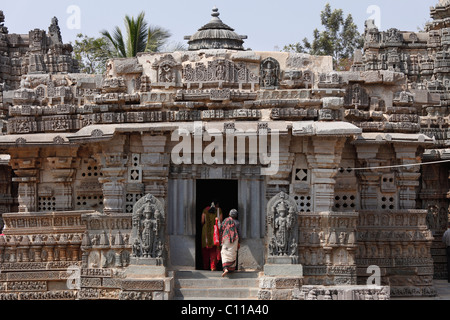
(216, 35)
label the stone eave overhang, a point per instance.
(330, 129)
(101, 133)
(436, 154)
(398, 138)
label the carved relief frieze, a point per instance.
(219, 71)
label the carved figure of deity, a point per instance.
(356, 100)
(431, 217)
(270, 73)
(147, 233)
(283, 225)
(166, 73)
(283, 233)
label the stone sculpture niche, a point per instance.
(282, 224)
(167, 70)
(270, 74)
(147, 235)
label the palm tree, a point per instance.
(140, 37)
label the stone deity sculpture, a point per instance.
(148, 229)
(282, 229)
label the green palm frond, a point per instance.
(137, 34)
(157, 37)
(117, 41)
(140, 37)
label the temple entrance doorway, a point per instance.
(226, 193)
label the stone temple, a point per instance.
(104, 177)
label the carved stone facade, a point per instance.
(35, 53)
(328, 170)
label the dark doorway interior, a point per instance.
(226, 192)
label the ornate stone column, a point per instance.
(369, 180)
(118, 247)
(74, 246)
(280, 181)
(408, 178)
(62, 173)
(24, 248)
(113, 180)
(62, 248)
(155, 165)
(12, 249)
(86, 247)
(49, 247)
(324, 157)
(27, 175)
(37, 248)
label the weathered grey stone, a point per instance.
(293, 270)
(127, 66)
(143, 285)
(332, 103)
(347, 149)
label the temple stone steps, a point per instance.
(207, 285)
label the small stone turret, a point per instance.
(216, 35)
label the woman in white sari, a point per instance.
(230, 231)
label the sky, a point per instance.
(269, 24)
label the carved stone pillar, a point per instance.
(75, 247)
(62, 248)
(12, 248)
(408, 178)
(62, 174)
(86, 247)
(155, 165)
(25, 164)
(113, 180)
(324, 157)
(24, 248)
(27, 179)
(280, 181)
(369, 180)
(370, 183)
(49, 248)
(37, 253)
(119, 246)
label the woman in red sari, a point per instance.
(230, 231)
(209, 250)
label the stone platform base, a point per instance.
(142, 271)
(287, 270)
(342, 293)
(409, 291)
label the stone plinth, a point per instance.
(282, 260)
(146, 261)
(145, 271)
(343, 293)
(291, 270)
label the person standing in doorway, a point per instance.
(231, 237)
(446, 240)
(210, 251)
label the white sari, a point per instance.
(229, 254)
